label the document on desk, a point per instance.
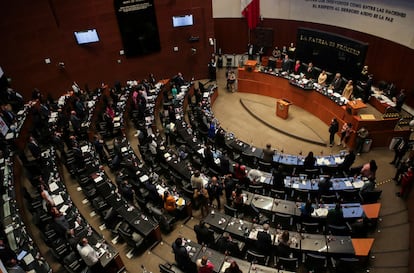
(358, 184)
(53, 186)
(57, 199)
(28, 259)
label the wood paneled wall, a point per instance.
(34, 30)
(387, 60)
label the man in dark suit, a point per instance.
(336, 84)
(264, 241)
(34, 148)
(203, 234)
(181, 256)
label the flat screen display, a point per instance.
(183, 21)
(86, 36)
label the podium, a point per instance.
(250, 65)
(282, 108)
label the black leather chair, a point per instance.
(311, 227)
(285, 263)
(339, 230)
(346, 265)
(370, 197)
(74, 264)
(259, 189)
(300, 195)
(349, 196)
(255, 257)
(283, 221)
(230, 211)
(279, 194)
(166, 268)
(265, 166)
(132, 239)
(316, 263)
(329, 199)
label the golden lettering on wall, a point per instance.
(328, 43)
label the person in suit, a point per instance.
(310, 161)
(286, 64)
(324, 185)
(215, 190)
(400, 148)
(283, 248)
(336, 84)
(310, 72)
(335, 216)
(333, 129)
(227, 246)
(306, 211)
(399, 100)
(181, 256)
(264, 240)
(268, 153)
(250, 52)
(348, 161)
(34, 147)
(203, 234)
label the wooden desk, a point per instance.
(355, 105)
(362, 246)
(372, 210)
(381, 131)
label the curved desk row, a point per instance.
(381, 130)
(325, 244)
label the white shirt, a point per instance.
(88, 254)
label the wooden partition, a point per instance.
(381, 130)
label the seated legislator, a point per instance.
(348, 90)
(264, 241)
(322, 78)
(336, 83)
(169, 202)
(283, 248)
(204, 265)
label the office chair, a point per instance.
(311, 227)
(329, 199)
(74, 264)
(265, 166)
(317, 263)
(370, 197)
(230, 211)
(278, 194)
(258, 216)
(132, 239)
(166, 268)
(255, 257)
(259, 189)
(300, 195)
(283, 221)
(285, 263)
(349, 195)
(339, 230)
(346, 265)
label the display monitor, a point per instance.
(183, 20)
(86, 36)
